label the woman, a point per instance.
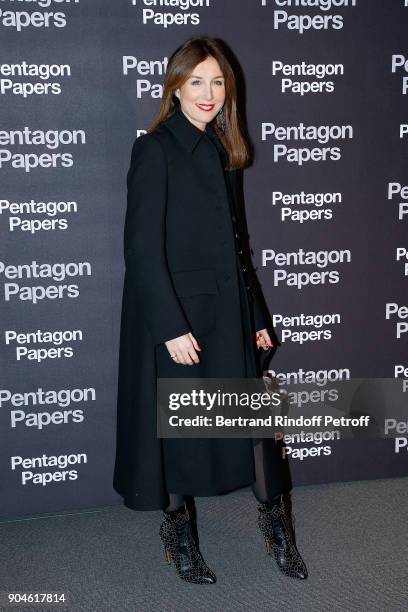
(192, 308)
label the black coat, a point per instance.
(187, 269)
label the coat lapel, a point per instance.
(186, 132)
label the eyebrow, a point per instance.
(198, 77)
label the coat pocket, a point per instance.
(197, 291)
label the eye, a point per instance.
(219, 82)
(195, 82)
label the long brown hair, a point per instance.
(181, 64)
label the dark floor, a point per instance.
(353, 537)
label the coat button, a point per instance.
(244, 269)
(240, 252)
(236, 235)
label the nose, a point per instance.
(208, 94)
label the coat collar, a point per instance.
(187, 133)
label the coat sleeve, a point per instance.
(261, 321)
(261, 318)
(144, 242)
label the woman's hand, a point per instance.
(263, 339)
(183, 349)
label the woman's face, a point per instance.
(203, 94)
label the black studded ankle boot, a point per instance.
(180, 547)
(279, 539)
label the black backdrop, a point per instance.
(325, 82)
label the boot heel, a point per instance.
(268, 546)
(167, 556)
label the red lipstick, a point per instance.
(206, 107)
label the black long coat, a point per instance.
(186, 270)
